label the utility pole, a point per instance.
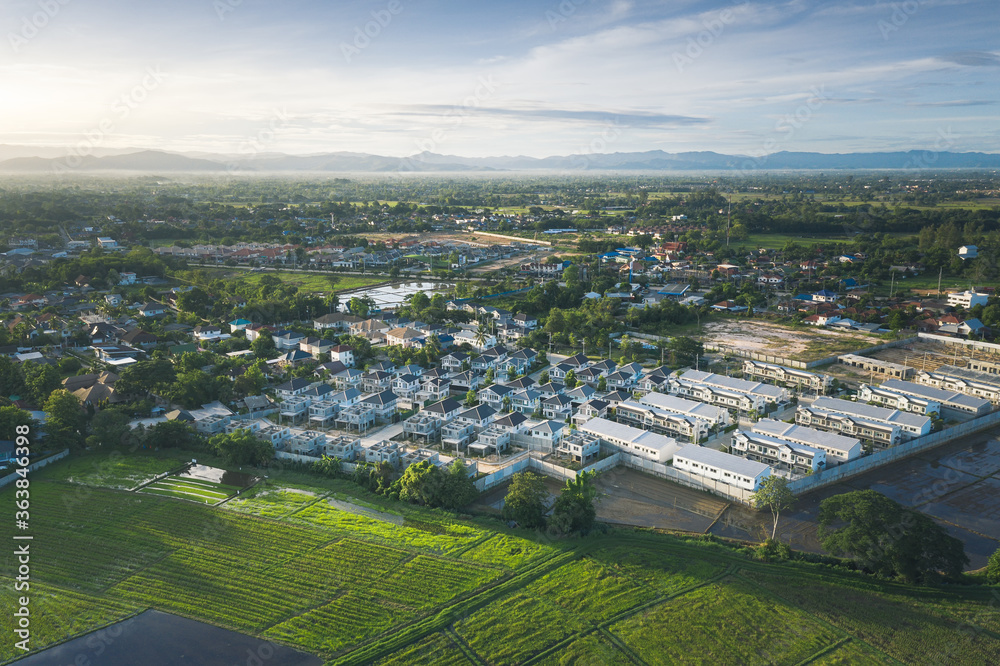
(940, 271)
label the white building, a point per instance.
(838, 448)
(912, 425)
(786, 376)
(719, 466)
(883, 434)
(648, 445)
(967, 299)
(714, 416)
(952, 400)
(885, 397)
(961, 380)
(780, 454)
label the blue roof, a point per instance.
(803, 297)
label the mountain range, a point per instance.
(30, 159)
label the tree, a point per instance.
(470, 398)
(570, 379)
(109, 427)
(358, 307)
(328, 466)
(544, 377)
(526, 499)
(774, 495)
(241, 447)
(195, 300)
(263, 346)
(11, 377)
(993, 568)
(602, 384)
(684, 351)
(490, 376)
(887, 538)
(460, 489)
(40, 380)
(423, 483)
(171, 435)
(574, 509)
(66, 420)
(10, 418)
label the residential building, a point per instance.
(579, 446)
(648, 445)
(838, 448)
(718, 466)
(786, 376)
(714, 416)
(291, 388)
(949, 400)
(647, 417)
(881, 434)
(780, 454)
(337, 321)
(884, 397)
(967, 299)
(760, 394)
(877, 367)
(405, 337)
(342, 353)
(912, 425)
(962, 380)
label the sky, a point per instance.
(559, 77)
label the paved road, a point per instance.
(386, 432)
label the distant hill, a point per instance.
(21, 159)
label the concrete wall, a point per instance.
(528, 463)
(670, 473)
(801, 365)
(892, 454)
(10, 478)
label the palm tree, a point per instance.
(481, 334)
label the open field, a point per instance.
(196, 490)
(311, 283)
(359, 587)
(802, 344)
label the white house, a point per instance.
(718, 466)
(967, 299)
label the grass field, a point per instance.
(314, 283)
(377, 582)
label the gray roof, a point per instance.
(810, 436)
(871, 412)
(619, 431)
(733, 384)
(723, 461)
(942, 396)
(672, 403)
(968, 375)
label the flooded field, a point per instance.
(163, 639)
(391, 296)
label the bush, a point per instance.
(993, 569)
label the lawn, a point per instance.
(311, 283)
(397, 584)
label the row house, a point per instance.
(426, 424)
(712, 465)
(715, 396)
(819, 383)
(838, 448)
(635, 441)
(794, 458)
(949, 400)
(979, 384)
(884, 397)
(880, 434)
(658, 420)
(589, 410)
(912, 425)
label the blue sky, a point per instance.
(506, 78)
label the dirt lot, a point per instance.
(769, 338)
(628, 497)
(958, 485)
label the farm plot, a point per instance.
(435, 650)
(591, 649)
(591, 590)
(426, 581)
(114, 470)
(731, 625)
(517, 628)
(273, 502)
(196, 490)
(55, 614)
(345, 621)
(506, 551)
(664, 572)
(918, 632)
(435, 539)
